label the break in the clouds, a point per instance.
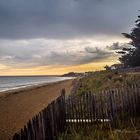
(24, 19)
(27, 54)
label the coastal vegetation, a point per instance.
(94, 84)
(131, 53)
(99, 134)
(106, 80)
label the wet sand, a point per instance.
(18, 106)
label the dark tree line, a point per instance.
(130, 56)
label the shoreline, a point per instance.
(28, 87)
(18, 106)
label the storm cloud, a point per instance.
(26, 19)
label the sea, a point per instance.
(16, 82)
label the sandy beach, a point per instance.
(18, 106)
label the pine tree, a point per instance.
(130, 56)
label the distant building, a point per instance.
(117, 66)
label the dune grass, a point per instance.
(106, 80)
(94, 133)
(102, 81)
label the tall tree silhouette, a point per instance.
(130, 56)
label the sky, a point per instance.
(45, 37)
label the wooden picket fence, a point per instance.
(112, 107)
(47, 124)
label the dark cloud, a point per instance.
(22, 58)
(116, 46)
(65, 18)
(90, 54)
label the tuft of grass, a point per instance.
(99, 134)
